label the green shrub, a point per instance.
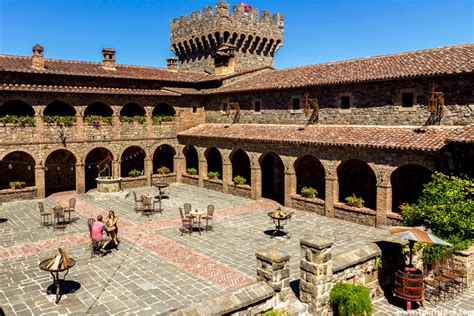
(17, 184)
(355, 201)
(97, 121)
(21, 121)
(59, 120)
(134, 173)
(162, 118)
(213, 175)
(191, 171)
(163, 170)
(351, 299)
(240, 180)
(129, 119)
(275, 313)
(308, 192)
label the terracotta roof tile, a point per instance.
(429, 62)
(395, 137)
(463, 135)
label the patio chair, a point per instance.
(45, 217)
(71, 208)
(158, 201)
(452, 271)
(94, 244)
(147, 203)
(186, 222)
(58, 217)
(187, 210)
(209, 216)
(138, 207)
(446, 284)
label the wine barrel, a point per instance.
(409, 285)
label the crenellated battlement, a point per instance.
(197, 37)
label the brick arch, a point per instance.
(191, 157)
(163, 155)
(163, 108)
(17, 165)
(310, 172)
(17, 107)
(56, 107)
(22, 149)
(214, 160)
(355, 176)
(241, 164)
(132, 109)
(132, 158)
(407, 184)
(98, 108)
(272, 176)
(115, 156)
(60, 171)
(91, 159)
(59, 147)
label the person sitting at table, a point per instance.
(97, 228)
(111, 223)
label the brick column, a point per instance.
(116, 168)
(80, 125)
(256, 187)
(316, 274)
(383, 204)
(39, 124)
(273, 267)
(80, 178)
(332, 195)
(40, 181)
(148, 171)
(226, 175)
(116, 125)
(202, 172)
(148, 123)
(290, 186)
(179, 164)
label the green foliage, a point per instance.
(134, 173)
(162, 118)
(275, 313)
(351, 299)
(163, 170)
(20, 121)
(17, 184)
(355, 201)
(411, 214)
(378, 262)
(191, 171)
(130, 119)
(59, 120)
(97, 121)
(213, 175)
(308, 192)
(434, 252)
(240, 180)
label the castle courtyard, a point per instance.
(156, 269)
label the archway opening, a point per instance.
(98, 109)
(16, 108)
(241, 165)
(214, 161)
(132, 110)
(133, 158)
(94, 157)
(60, 172)
(163, 157)
(192, 158)
(59, 108)
(356, 177)
(163, 109)
(407, 184)
(273, 177)
(17, 166)
(310, 173)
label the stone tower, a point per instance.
(221, 42)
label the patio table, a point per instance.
(161, 185)
(55, 274)
(197, 214)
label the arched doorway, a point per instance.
(163, 157)
(407, 184)
(241, 165)
(16, 108)
(132, 110)
(133, 158)
(310, 173)
(356, 177)
(59, 108)
(60, 172)
(163, 109)
(17, 166)
(191, 156)
(98, 109)
(273, 177)
(214, 161)
(93, 158)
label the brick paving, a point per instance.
(156, 269)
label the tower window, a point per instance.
(408, 99)
(295, 104)
(194, 109)
(345, 102)
(257, 106)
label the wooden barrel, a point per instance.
(409, 285)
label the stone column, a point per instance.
(148, 171)
(80, 178)
(179, 164)
(332, 188)
(226, 175)
(116, 123)
(40, 181)
(116, 168)
(39, 124)
(148, 123)
(384, 203)
(290, 186)
(202, 172)
(273, 267)
(256, 186)
(316, 274)
(80, 124)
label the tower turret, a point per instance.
(198, 39)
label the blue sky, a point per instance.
(315, 31)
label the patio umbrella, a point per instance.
(416, 234)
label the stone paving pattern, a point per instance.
(156, 269)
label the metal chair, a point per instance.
(45, 217)
(95, 244)
(71, 208)
(138, 207)
(209, 216)
(187, 210)
(148, 207)
(186, 222)
(58, 216)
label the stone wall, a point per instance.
(314, 205)
(465, 259)
(215, 185)
(9, 195)
(164, 178)
(240, 190)
(191, 180)
(133, 182)
(359, 215)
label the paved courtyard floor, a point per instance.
(156, 269)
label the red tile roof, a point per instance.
(463, 135)
(395, 137)
(429, 62)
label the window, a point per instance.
(407, 99)
(257, 106)
(345, 102)
(194, 109)
(295, 104)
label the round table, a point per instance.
(197, 214)
(161, 185)
(55, 274)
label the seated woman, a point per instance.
(111, 222)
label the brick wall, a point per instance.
(9, 195)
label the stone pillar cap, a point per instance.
(272, 255)
(316, 242)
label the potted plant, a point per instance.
(191, 171)
(163, 170)
(240, 180)
(213, 175)
(351, 299)
(354, 201)
(134, 173)
(308, 192)
(17, 184)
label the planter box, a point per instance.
(359, 215)
(191, 180)
(314, 205)
(9, 195)
(394, 219)
(243, 190)
(133, 182)
(165, 178)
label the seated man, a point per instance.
(97, 228)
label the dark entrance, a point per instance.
(407, 184)
(95, 156)
(273, 177)
(60, 172)
(17, 166)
